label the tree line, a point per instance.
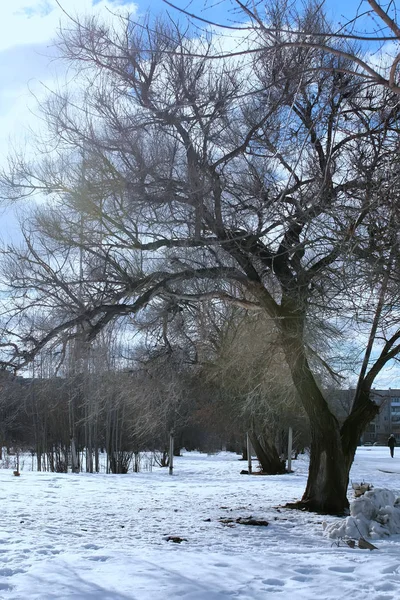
(68, 418)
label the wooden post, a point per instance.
(74, 457)
(171, 452)
(289, 452)
(249, 449)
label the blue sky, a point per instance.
(219, 9)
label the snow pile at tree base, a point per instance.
(376, 514)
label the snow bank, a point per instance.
(376, 514)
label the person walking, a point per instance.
(391, 444)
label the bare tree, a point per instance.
(278, 26)
(263, 184)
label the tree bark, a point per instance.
(332, 455)
(326, 489)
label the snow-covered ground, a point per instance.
(104, 537)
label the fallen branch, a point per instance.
(245, 521)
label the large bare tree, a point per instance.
(261, 181)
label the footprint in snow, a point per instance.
(6, 587)
(342, 569)
(301, 578)
(46, 551)
(391, 569)
(307, 570)
(385, 587)
(10, 572)
(273, 582)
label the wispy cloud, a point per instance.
(42, 9)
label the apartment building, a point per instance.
(388, 419)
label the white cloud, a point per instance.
(27, 28)
(25, 22)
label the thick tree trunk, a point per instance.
(267, 455)
(326, 489)
(332, 455)
(332, 448)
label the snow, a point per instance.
(375, 514)
(104, 537)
